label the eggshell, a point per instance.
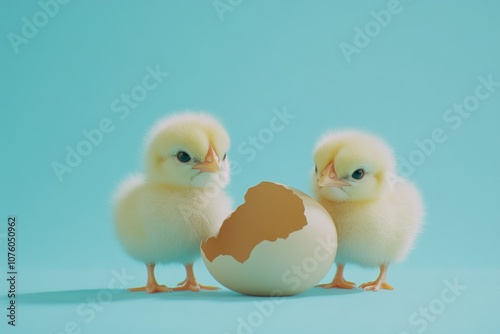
(279, 242)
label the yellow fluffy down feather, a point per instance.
(163, 215)
(378, 215)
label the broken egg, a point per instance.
(279, 242)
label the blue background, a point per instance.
(263, 55)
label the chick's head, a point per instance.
(351, 166)
(188, 149)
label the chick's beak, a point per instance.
(329, 178)
(211, 163)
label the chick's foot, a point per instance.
(338, 281)
(376, 285)
(151, 288)
(193, 286)
(379, 283)
(190, 282)
(339, 284)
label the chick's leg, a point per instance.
(151, 286)
(380, 283)
(339, 281)
(190, 282)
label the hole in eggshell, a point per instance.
(270, 211)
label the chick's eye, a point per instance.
(183, 157)
(225, 156)
(358, 174)
(316, 169)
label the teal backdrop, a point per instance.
(83, 81)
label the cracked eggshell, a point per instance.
(279, 242)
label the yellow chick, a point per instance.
(377, 214)
(162, 216)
